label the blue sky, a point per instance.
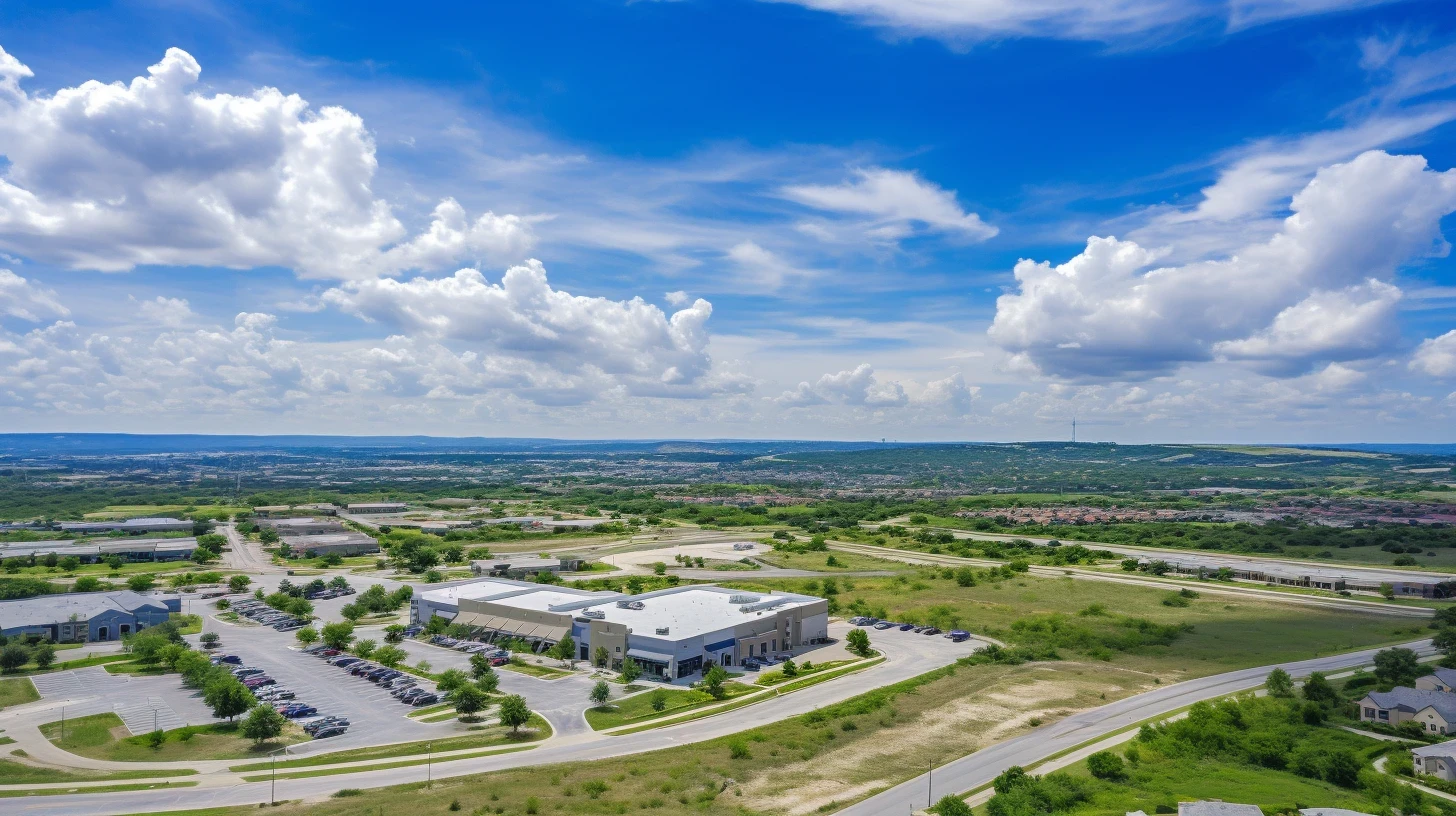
(842, 218)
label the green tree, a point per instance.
(658, 699)
(514, 712)
(353, 611)
(227, 697)
(631, 670)
(858, 641)
(601, 657)
(307, 635)
(263, 723)
(452, 679)
(469, 700)
(601, 692)
(44, 654)
(1106, 765)
(195, 669)
(1279, 684)
(140, 583)
(239, 583)
(790, 669)
(952, 806)
(209, 640)
(1396, 667)
(1317, 689)
(365, 648)
(87, 583)
(394, 633)
(564, 649)
(389, 656)
(338, 635)
(713, 682)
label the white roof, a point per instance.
(691, 611)
(542, 600)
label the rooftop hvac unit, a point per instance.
(743, 599)
(662, 630)
(630, 605)
(593, 613)
(762, 605)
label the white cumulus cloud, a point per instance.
(1317, 290)
(633, 343)
(1436, 356)
(112, 176)
(895, 203)
(857, 386)
(23, 299)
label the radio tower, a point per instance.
(1074, 430)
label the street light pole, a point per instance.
(929, 780)
(429, 764)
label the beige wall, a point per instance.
(611, 635)
(525, 615)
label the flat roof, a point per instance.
(693, 610)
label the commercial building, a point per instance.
(1434, 710)
(272, 511)
(137, 525)
(523, 566)
(127, 549)
(370, 508)
(301, 526)
(1313, 576)
(671, 633)
(85, 616)
(344, 544)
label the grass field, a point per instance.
(102, 736)
(17, 773)
(139, 786)
(1227, 633)
(844, 562)
(639, 706)
(535, 670)
(17, 691)
(80, 663)
(535, 730)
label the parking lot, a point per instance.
(374, 716)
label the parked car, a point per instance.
(860, 621)
(425, 699)
(341, 662)
(227, 658)
(930, 630)
(959, 636)
(299, 710)
(329, 652)
(751, 663)
(246, 671)
(906, 627)
(331, 731)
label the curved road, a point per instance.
(979, 769)
(957, 777)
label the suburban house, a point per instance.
(84, 616)
(1434, 710)
(1438, 680)
(1437, 760)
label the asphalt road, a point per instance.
(978, 769)
(910, 655)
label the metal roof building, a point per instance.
(85, 616)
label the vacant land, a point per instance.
(102, 736)
(17, 691)
(842, 562)
(1102, 620)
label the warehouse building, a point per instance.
(344, 544)
(127, 549)
(523, 566)
(301, 526)
(85, 616)
(137, 525)
(671, 633)
(378, 507)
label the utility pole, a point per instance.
(929, 780)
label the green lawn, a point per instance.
(16, 773)
(544, 672)
(777, 676)
(82, 663)
(382, 766)
(534, 731)
(102, 736)
(17, 691)
(15, 794)
(639, 707)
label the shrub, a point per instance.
(738, 749)
(1106, 765)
